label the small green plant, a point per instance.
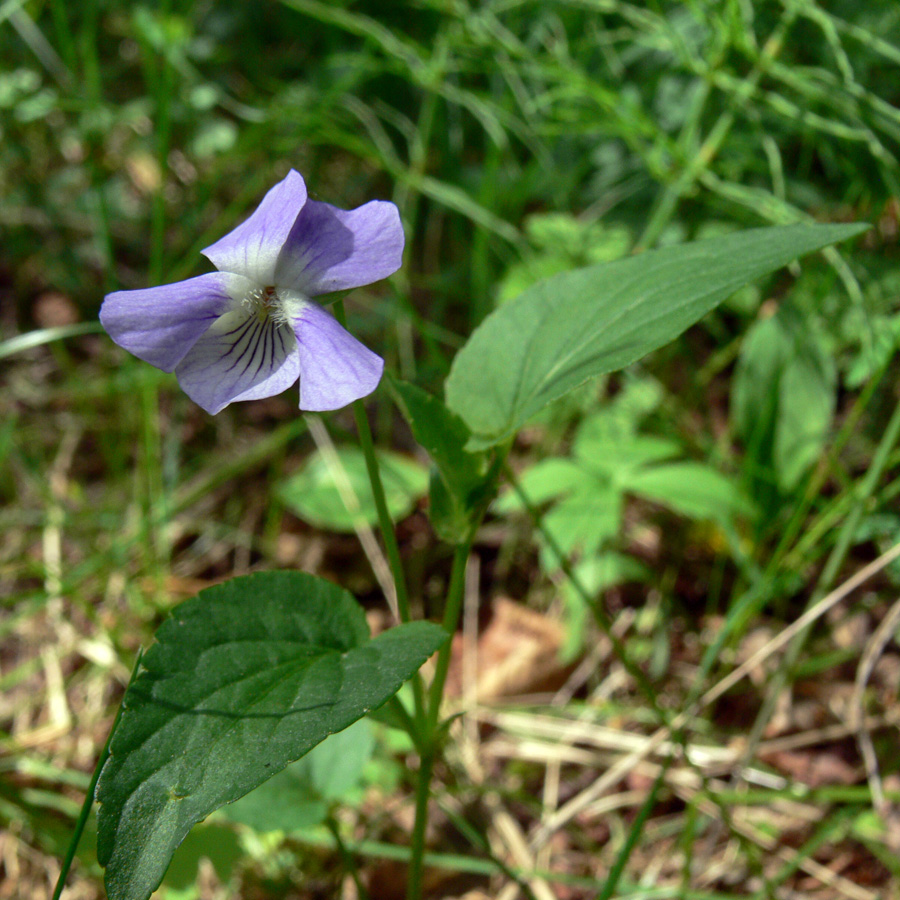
(332, 491)
(524, 144)
(249, 676)
(612, 459)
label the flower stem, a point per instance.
(389, 536)
(426, 724)
(384, 517)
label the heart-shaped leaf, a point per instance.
(245, 678)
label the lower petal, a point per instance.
(335, 368)
(161, 324)
(240, 357)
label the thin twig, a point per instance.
(624, 765)
(871, 654)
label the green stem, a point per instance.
(821, 473)
(835, 560)
(634, 834)
(426, 716)
(385, 522)
(389, 536)
(347, 859)
(92, 88)
(89, 797)
(64, 36)
(154, 498)
(417, 844)
(452, 609)
(605, 623)
(791, 554)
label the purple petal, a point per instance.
(241, 357)
(331, 249)
(161, 324)
(335, 368)
(252, 248)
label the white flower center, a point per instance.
(280, 306)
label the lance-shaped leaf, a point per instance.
(461, 483)
(444, 436)
(585, 322)
(245, 678)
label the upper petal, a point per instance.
(331, 249)
(161, 324)
(335, 368)
(252, 248)
(242, 356)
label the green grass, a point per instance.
(134, 136)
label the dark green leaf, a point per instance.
(245, 678)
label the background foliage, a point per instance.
(519, 139)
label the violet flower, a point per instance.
(251, 330)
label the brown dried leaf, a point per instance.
(815, 769)
(518, 653)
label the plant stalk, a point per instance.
(417, 843)
(452, 610)
(389, 536)
(385, 523)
